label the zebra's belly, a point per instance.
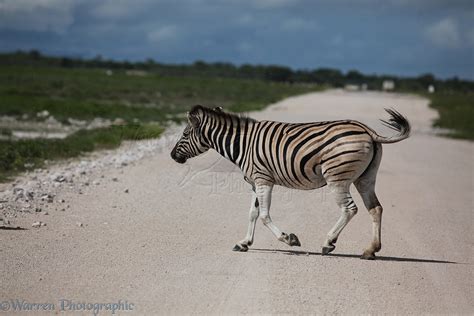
(316, 180)
(310, 185)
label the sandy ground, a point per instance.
(165, 246)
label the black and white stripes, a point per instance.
(301, 156)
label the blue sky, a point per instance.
(401, 37)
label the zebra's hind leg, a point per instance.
(366, 190)
(365, 184)
(349, 209)
(264, 194)
(244, 244)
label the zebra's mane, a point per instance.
(236, 118)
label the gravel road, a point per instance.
(158, 235)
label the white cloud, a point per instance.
(36, 15)
(164, 33)
(444, 33)
(297, 24)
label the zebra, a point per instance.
(302, 156)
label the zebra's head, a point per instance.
(191, 143)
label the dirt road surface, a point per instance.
(165, 246)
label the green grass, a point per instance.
(29, 154)
(456, 111)
(88, 93)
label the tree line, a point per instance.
(322, 76)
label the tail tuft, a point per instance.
(396, 122)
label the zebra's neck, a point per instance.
(229, 136)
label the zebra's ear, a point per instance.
(218, 109)
(193, 120)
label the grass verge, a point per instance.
(28, 154)
(456, 113)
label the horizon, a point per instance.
(189, 64)
(396, 38)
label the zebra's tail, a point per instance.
(398, 123)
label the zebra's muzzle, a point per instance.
(180, 159)
(176, 157)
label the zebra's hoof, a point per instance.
(368, 255)
(240, 248)
(327, 250)
(294, 241)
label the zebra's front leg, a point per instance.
(264, 195)
(244, 244)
